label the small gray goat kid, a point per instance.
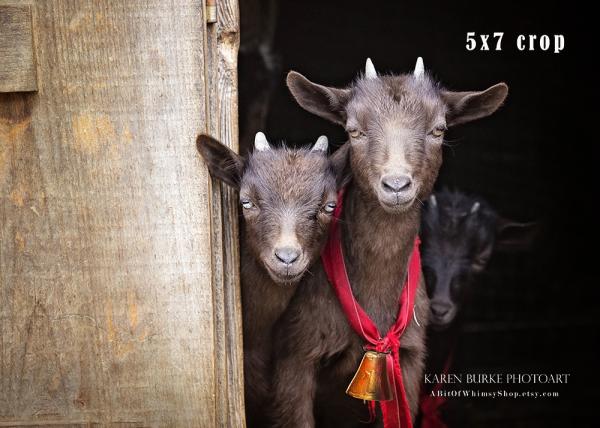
(287, 198)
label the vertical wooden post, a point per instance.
(221, 53)
(115, 308)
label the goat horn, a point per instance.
(321, 145)
(419, 69)
(433, 200)
(260, 142)
(475, 207)
(370, 72)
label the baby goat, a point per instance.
(459, 233)
(396, 126)
(287, 198)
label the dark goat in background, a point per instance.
(459, 234)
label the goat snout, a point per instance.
(392, 183)
(287, 255)
(440, 310)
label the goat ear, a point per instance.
(467, 106)
(326, 102)
(340, 162)
(222, 162)
(514, 236)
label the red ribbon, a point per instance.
(432, 403)
(396, 413)
(430, 412)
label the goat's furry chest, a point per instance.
(315, 331)
(263, 303)
(316, 328)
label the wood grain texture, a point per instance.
(110, 313)
(17, 64)
(221, 53)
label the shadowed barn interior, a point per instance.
(529, 312)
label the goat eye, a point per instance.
(438, 131)
(355, 133)
(329, 208)
(247, 204)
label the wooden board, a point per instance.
(114, 308)
(221, 55)
(17, 64)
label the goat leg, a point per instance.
(294, 387)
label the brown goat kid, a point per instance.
(287, 198)
(396, 127)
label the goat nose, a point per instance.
(440, 309)
(395, 183)
(287, 255)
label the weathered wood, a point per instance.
(221, 54)
(17, 64)
(113, 309)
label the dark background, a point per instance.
(534, 159)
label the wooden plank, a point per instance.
(17, 64)
(221, 54)
(107, 311)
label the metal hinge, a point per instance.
(211, 11)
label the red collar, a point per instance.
(395, 412)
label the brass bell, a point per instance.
(371, 381)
